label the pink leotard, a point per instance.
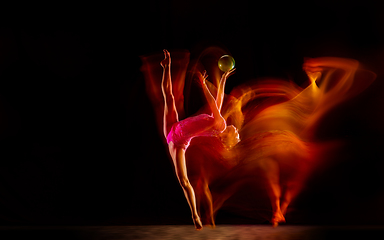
(183, 131)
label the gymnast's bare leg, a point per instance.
(271, 173)
(177, 153)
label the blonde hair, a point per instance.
(230, 136)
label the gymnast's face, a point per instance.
(230, 137)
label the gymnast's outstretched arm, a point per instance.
(211, 101)
(221, 87)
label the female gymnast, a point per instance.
(179, 133)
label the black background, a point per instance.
(79, 143)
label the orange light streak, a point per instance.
(277, 123)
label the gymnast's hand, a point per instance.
(202, 77)
(228, 73)
(167, 59)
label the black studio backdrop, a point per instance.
(79, 144)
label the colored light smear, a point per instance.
(277, 122)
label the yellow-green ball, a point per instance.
(226, 63)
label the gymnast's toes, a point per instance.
(277, 218)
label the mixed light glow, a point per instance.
(276, 122)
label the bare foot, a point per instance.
(198, 224)
(167, 59)
(212, 222)
(277, 218)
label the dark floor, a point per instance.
(227, 232)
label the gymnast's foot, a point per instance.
(277, 218)
(212, 222)
(197, 222)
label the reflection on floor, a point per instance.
(227, 232)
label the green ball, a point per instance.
(226, 63)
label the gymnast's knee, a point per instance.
(184, 182)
